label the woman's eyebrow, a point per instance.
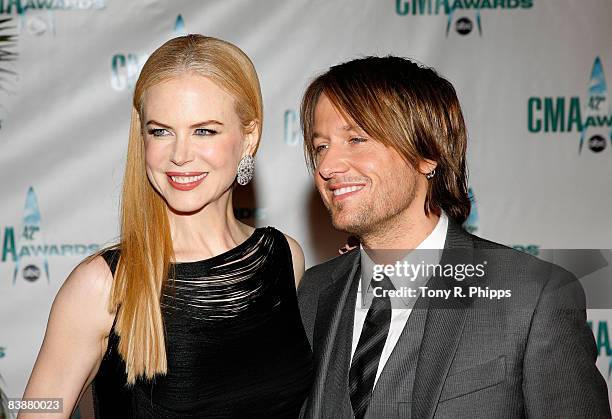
(198, 124)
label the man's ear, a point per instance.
(251, 138)
(427, 166)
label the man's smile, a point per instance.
(345, 189)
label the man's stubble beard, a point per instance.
(375, 217)
(354, 223)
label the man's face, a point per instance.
(364, 184)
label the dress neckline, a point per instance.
(228, 253)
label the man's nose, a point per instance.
(333, 162)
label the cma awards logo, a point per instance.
(463, 15)
(36, 17)
(125, 67)
(29, 251)
(471, 226)
(590, 120)
(601, 331)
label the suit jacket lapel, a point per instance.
(331, 303)
(443, 327)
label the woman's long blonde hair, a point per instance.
(146, 251)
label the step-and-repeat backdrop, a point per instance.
(531, 76)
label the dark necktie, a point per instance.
(369, 348)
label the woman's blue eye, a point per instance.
(205, 131)
(158, 132)
(358, 140)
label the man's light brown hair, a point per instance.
(405, 106)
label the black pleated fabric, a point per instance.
(235, 343)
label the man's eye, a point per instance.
(158, 132)
(205, 132)
(320, 148)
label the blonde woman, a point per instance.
(192, 314)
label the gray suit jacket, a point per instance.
(531, 355)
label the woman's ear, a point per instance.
(251, 138)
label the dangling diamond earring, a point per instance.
(431, 174)
(246, 168)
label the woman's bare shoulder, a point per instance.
(297, 256)
(87, 290)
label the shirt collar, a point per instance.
(435, 240)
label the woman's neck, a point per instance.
(208, 232)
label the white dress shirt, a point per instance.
(399, 313)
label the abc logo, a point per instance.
(464, 26)
(31, 273)
(597, 143)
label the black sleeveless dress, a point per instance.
(235, 343)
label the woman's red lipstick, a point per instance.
(185, 181)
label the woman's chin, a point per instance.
(184, 208)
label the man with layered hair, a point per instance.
(386, 142)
